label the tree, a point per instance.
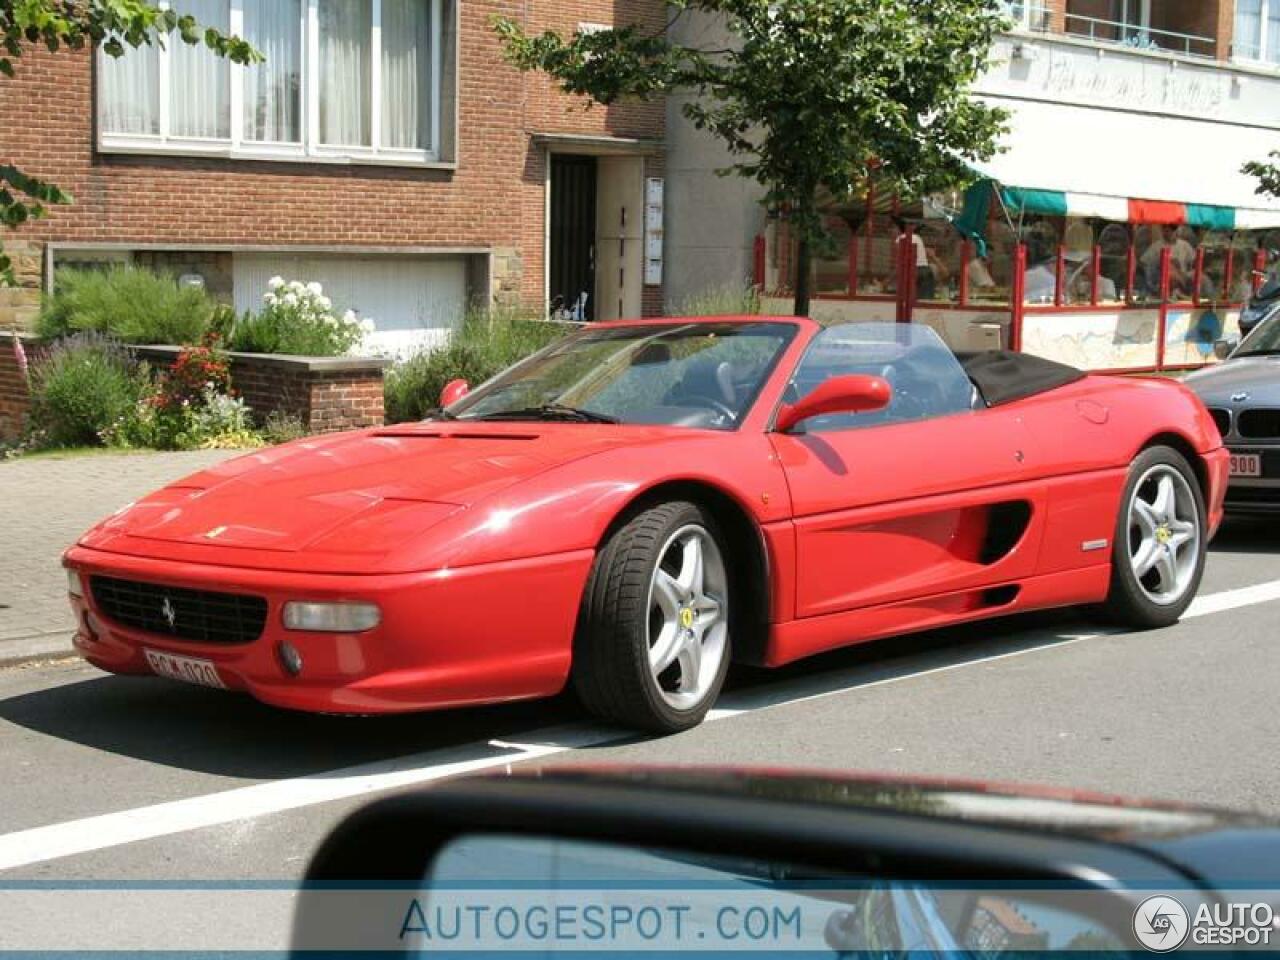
(1267, 172)
(809, 96)
(113, 25)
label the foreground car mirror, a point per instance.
(851, 394)
(565, 860)
(453, 391)
(1222, 349)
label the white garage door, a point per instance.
(414, 301)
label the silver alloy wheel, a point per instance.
(1164, 534)
(688, 617)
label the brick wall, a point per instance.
(325, 394)
(495, 197)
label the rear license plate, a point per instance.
(186, 669)
(1246, 464)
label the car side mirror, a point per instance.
(453, 391)
(1222, 349)
(856, 393)
(629, 849)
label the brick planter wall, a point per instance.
(326, 393)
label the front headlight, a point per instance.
(331, 617)
(75, 586)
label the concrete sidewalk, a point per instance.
(45, 504)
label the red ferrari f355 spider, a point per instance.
(641, 503)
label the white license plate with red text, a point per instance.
(187, 669)
(1246, 464)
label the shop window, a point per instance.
(1043, 236)
(946, 255)
(1078, 243)
(1113, 277)
(1244, 248)
(877, 256)
(1216, 247)
(1182, 264)
(1147, 244)
(831, 263)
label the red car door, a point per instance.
(923, 499)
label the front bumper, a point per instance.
(447, 638)
(1255, 494)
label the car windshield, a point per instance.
(1264, 340)
(704, 375)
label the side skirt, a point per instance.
(803, 638)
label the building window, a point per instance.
(1142, 25)
(1027, 14)
(1257, 35)
(354, 80)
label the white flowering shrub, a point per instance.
(297, 318)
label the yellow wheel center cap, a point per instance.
(686, 618)
(1164, 534)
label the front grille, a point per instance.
(199, 615)
(1243, 495)
(1222, 418)
(1259, 424)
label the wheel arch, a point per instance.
(745, 539)
(1185, 447)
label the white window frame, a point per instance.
(1261, 59)
(310, 149)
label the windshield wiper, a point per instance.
(551, 411)
(439, 413)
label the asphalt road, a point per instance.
(114, 779)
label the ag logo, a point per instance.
(1161, 924)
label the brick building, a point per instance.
(385, 149)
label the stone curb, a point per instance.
(41, 646)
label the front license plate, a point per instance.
(186, 669)
(1246, 465)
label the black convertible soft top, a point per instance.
(1003, 376)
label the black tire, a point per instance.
(1128, 603)
(611, 673)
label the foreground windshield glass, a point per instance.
(692, 375)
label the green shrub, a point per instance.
(298, 319)
(487, 343)
(734, 300)
(280, 427)
(131, 304)
(215, 421)
(83, 388)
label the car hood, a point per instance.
(349, 494)
(1257, 376)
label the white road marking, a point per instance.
(40, 844)
(1233, 599)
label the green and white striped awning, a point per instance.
(1131, 167)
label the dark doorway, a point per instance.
(573, 235)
